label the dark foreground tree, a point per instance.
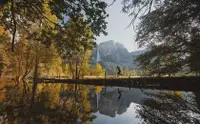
(168, 28)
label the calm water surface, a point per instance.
(72, 104)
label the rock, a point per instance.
(111, 54)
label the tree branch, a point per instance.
(112, 3)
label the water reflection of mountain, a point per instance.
(109, 103)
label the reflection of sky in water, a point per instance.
(129, 117)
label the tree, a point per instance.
(74, 43)
(98, 70)
(66, 70)
(126, 71)
(45, 24)
(166, 27)
(42, 41)
(85, 67)
(20, 14)
(4, 38)
(195, 51)
(76, 36)
(156, 63)
(133, 73)
(79, 64)
(7, 66)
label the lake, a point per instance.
(85, 104)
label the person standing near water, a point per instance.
(119, 71)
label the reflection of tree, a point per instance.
(75, 106)
(168, 108)
(197, 98)
(49, 107)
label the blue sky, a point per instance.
(116, 27)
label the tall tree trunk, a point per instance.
(76, 70)
(14, 23)
(35, 80)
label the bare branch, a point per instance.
(112, 3)
(150, 5)
(136, 15)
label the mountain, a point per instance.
(114, 52)
(111, 54)
(109, 102)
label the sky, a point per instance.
(116, 27)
